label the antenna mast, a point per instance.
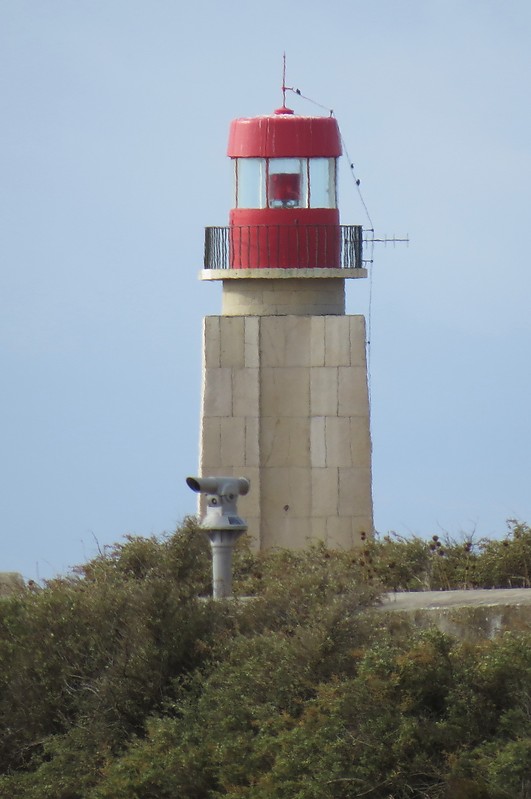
(284, 79)
(284, 87)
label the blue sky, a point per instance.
(115, 117)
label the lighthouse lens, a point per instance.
(286, 183)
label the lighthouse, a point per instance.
(285, 396)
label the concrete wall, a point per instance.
(11, 583)
(285, 403)
(272, 297)
(468, 615)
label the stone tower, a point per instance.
(285, 398)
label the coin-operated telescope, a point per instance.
(221, 524)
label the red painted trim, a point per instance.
(302, 238)
(284, 136)
(284, 216)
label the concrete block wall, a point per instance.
(285, 403)
(264, 297)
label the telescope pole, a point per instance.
(222, 544)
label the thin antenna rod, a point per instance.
(284, 87)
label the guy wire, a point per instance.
(371, 229)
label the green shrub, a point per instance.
(126, 680)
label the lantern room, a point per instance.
(284, 220)
(284, 211)
(285, 183)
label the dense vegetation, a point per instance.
(124, 680)
(443, 563)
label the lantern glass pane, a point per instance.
(323, 183)
(250, 183)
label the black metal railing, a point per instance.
(296, 246)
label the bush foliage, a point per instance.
(124, 679)
(443, 563)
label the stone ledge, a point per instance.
(268, 274)
(473, 615)
(437, 600)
